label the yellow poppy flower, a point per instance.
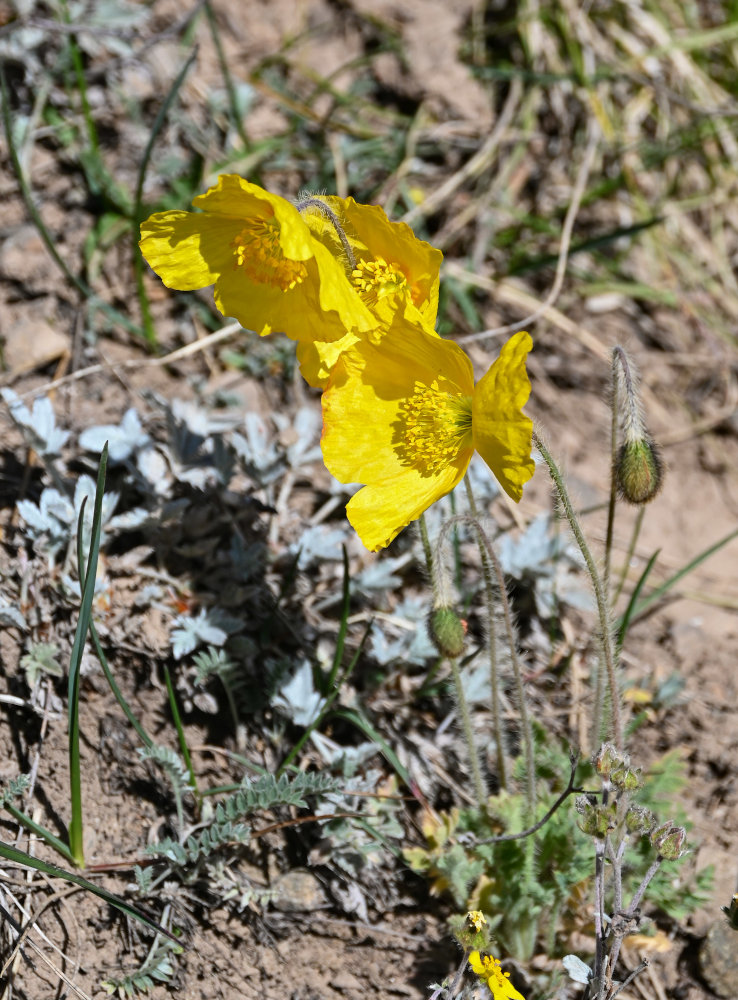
(405, 418)
(488, 969)
(391, 267)
(269, 272)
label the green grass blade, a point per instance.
(184, 749)
(87, 582)
(362, 723)
(666, 586)
(46, 835)
(18, 857)
(127, 711)
(234, 112)
(628, 613)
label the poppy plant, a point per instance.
(404, 417)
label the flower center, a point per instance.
(432, 427)
(258, 252)
(374, 279)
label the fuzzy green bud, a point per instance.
(594, 819)
(607, 759)
(626, 778)
(472, 931)
(639, 471)
(669, 841)
(639, 820)
(447, 632)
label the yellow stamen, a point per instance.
(432, 427)
(373, 279)
(258, 252)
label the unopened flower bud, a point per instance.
(640, 820)
(626, 778)
(447, 632)
(669, 841)
(607, 759)
(594, 819)
(639, 471)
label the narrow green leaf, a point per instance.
(19, 857)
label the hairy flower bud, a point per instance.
(607, 759)
(639, 471)
(447, 632)
(627, 778)
(594, 819)
(669, 841)
(639, 820)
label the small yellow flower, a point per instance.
(476, 919)
(405, 418)
(489, 971)
(269, 271)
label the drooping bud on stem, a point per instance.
(639, 470)
(447, 631)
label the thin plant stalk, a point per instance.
(615, 390)
(489, 552)
(466, 726)
(461, 702)
(87, 576)
(603, 610)
(494, 675)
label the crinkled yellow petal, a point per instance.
(364, 422)
(475, 960)
(368, 383)
(380, 511)
(317, 358)
(372, 236)
(269, 272)
(235, 198)
(502, 432)
(186, 249)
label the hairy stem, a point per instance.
(600, 596)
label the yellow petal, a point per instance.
(475, 961)
(235, 198)
(374, 237)
(397, 418)
(380, 511)
(188, 250)
(317, 358)
(502, 433)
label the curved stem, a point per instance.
(329, 214)
(600, 598)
